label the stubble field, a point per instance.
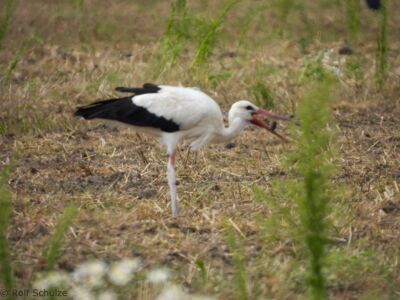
(58, 55)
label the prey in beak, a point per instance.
(270, 115)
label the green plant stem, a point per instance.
(26, 43)
(176, 29)
(313, 164)
(239, 264)
(353, 18)
(10, 7)
(5, 213)
(382, 45)
(58, 235)
(208, 41)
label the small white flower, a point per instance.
(172, 292)
(107, 295)
(388, 193)
(158, 275)
(90, 273)
(331, 63)
(326, 57)
(53, 279)
(81, 293)
(121, 272)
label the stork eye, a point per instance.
(249, 107)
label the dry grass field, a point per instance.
(57, 55)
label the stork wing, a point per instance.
(186, 107)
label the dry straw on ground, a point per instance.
(116, 177)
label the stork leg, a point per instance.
(172, 183)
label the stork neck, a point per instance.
(233, 130)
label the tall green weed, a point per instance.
(382, 45)
(235, 245)
(58, 235)
(19, 54)
(5, 213)
(177, 32)
(313, 162)
(353, 21)
(208, 41)
(10, 7)
(299, 203)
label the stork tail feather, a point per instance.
(105, 109)
(125, 111)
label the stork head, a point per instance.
(248, 112)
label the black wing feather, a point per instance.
(148, 88)
(374, 4)
(125, 111)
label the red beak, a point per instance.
(272, 116)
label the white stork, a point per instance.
(172, 113)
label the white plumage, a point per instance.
(173, 113)
(187, 106)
